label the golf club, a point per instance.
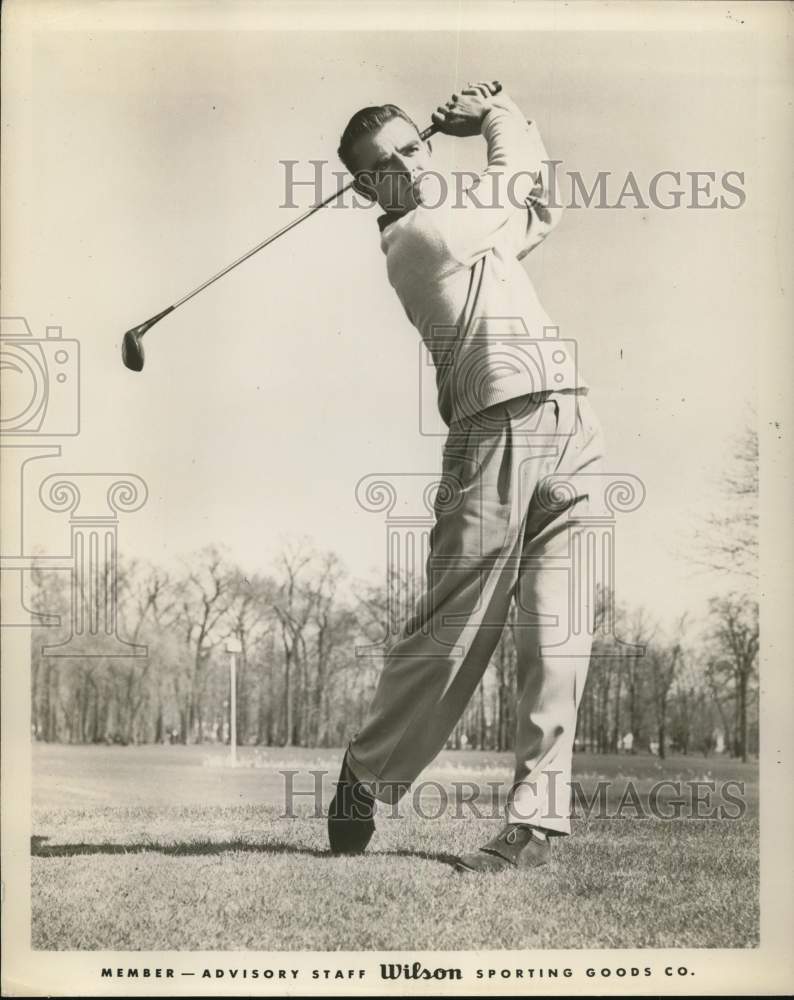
(132, 344)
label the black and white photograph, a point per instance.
(396, 524)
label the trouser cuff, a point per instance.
(380, 789)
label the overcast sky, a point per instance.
(154, 161)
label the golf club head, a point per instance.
(132, 344)
(132, 351)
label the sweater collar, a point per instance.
(389, 217)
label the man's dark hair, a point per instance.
(364, 122)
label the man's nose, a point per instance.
(403, 165)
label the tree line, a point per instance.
(312, 642)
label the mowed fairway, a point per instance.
(167, 848)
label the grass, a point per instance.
(155, 848)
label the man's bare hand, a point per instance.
(463, 113)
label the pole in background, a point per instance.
(233, 647)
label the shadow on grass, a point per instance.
(40, 849)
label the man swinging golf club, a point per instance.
(516, 417)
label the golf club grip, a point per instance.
(425, 134)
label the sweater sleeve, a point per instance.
(509, 206)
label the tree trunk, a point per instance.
(85, 697)
(45, 714)
(616, 725)
(184, 723)
(741, 735)
(634, 711)
(287, 702)
(263, 732)
(93, 727)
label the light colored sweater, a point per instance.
(456, 269)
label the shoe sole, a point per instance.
(461, 866)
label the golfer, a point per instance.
(517, 414)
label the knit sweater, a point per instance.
(456, 269)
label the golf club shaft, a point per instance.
(264, 243)
(430, 130)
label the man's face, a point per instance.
(390, 163)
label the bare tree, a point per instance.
(690, 723)
(728, 540)
(147, 605)
(293, 609)
(665, 660)
(250, 618)
(265, 655)
(735, 633)
(204, 601)
(52, 599)
(334, 632)
(641, 631)
(384, 608)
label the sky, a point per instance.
(151, 158)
